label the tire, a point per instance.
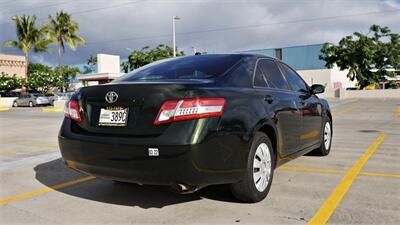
(30, 104)
(15, 104)
(247, 190)
(326, 139)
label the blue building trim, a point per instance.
(304, 57)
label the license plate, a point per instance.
(113, 116)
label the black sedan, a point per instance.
(194, 121)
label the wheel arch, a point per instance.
(270, 131)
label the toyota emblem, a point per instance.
(111, 97)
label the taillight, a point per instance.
(189, 108)
(71, 110)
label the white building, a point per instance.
(108, 68)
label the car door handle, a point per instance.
(269, 99)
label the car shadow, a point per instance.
(145, 196)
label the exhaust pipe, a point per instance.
(185, 188)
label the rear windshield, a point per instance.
(191, 67)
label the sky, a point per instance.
(213, 26)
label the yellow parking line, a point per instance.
(4, 109)
(45, 190)
(318, 170)
(52, 109)
(310, 169)
(397, 113)
(330, 204)
(380, 174)
(348, 109)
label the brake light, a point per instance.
(189, 108)
(71, 110)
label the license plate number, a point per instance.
(113, 116)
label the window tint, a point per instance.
(190, 67)
(294, 80)
(259, 78)
(274, 76)
(241, 75)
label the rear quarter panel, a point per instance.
(243, 112)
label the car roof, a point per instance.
(249, 54)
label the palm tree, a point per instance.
(28, 37)
(92, 62)
(62, 30)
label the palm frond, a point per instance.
(42, 45)
(64, 31)
(10, 43)
(28, 35)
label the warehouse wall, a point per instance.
(331, 78)
(303, 57)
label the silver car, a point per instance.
(31, 100)
(57, 97)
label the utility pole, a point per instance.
(173, 35)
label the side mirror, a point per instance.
(317, 89)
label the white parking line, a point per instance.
(5, 165)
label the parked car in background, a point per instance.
(195, 121)
(69, 94)
(31, 100)
(4, 93)
(58, 97)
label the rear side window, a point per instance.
(272, 74)
(259, 78)
(191, 67)
(294, 79)
(241, 75)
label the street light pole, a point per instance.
(173, 35)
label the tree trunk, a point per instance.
(26, 65)
(24, 88)
(59, 55)
(59, 64)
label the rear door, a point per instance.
(23, 100)
(274, 89)
(310, 107)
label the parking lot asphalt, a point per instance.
(358, 183)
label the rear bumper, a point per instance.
(218, 160)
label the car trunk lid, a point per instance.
(142, 99)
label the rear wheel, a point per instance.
(257, 180)
(30, 104)
(326, 139)
(15, 104)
